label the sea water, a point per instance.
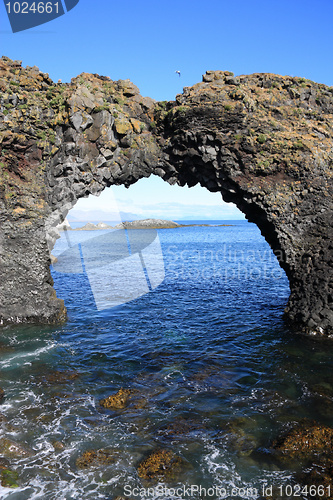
(216, 372)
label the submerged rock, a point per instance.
(5, 348)
(3, 419)
(4, 463)
(11, 449)
(322, 398)
(237, 436)
(242, 443)
(2, 394)
(159, 464)
(182, 428)
(60, 377)
(58, 445)
(54, 259)
(310, 446)
(320, 477)
(324, 390)
(95, 458)
(306, 441)
(116, 401)
(9, 478)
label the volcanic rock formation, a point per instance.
(264, 141)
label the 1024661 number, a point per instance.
(316, 491)
(34, 8)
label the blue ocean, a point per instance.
(213, 373)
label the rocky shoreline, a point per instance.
(303, 447)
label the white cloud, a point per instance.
(154, 198)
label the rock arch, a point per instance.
(264, 141)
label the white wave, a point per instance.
(19, 357)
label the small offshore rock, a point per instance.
(93, 227)
(2, 394)
(116, 401)
(54, 259)
(58, 445)
(148, 224)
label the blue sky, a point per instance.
(147, 41)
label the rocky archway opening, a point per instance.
(212, 246)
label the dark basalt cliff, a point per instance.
(264, 141)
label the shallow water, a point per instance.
(215, 374)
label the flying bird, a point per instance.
(178, 72)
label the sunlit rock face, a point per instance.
(264, 141)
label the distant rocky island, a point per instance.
(137, 224)
(93, 227)
(148, 224)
